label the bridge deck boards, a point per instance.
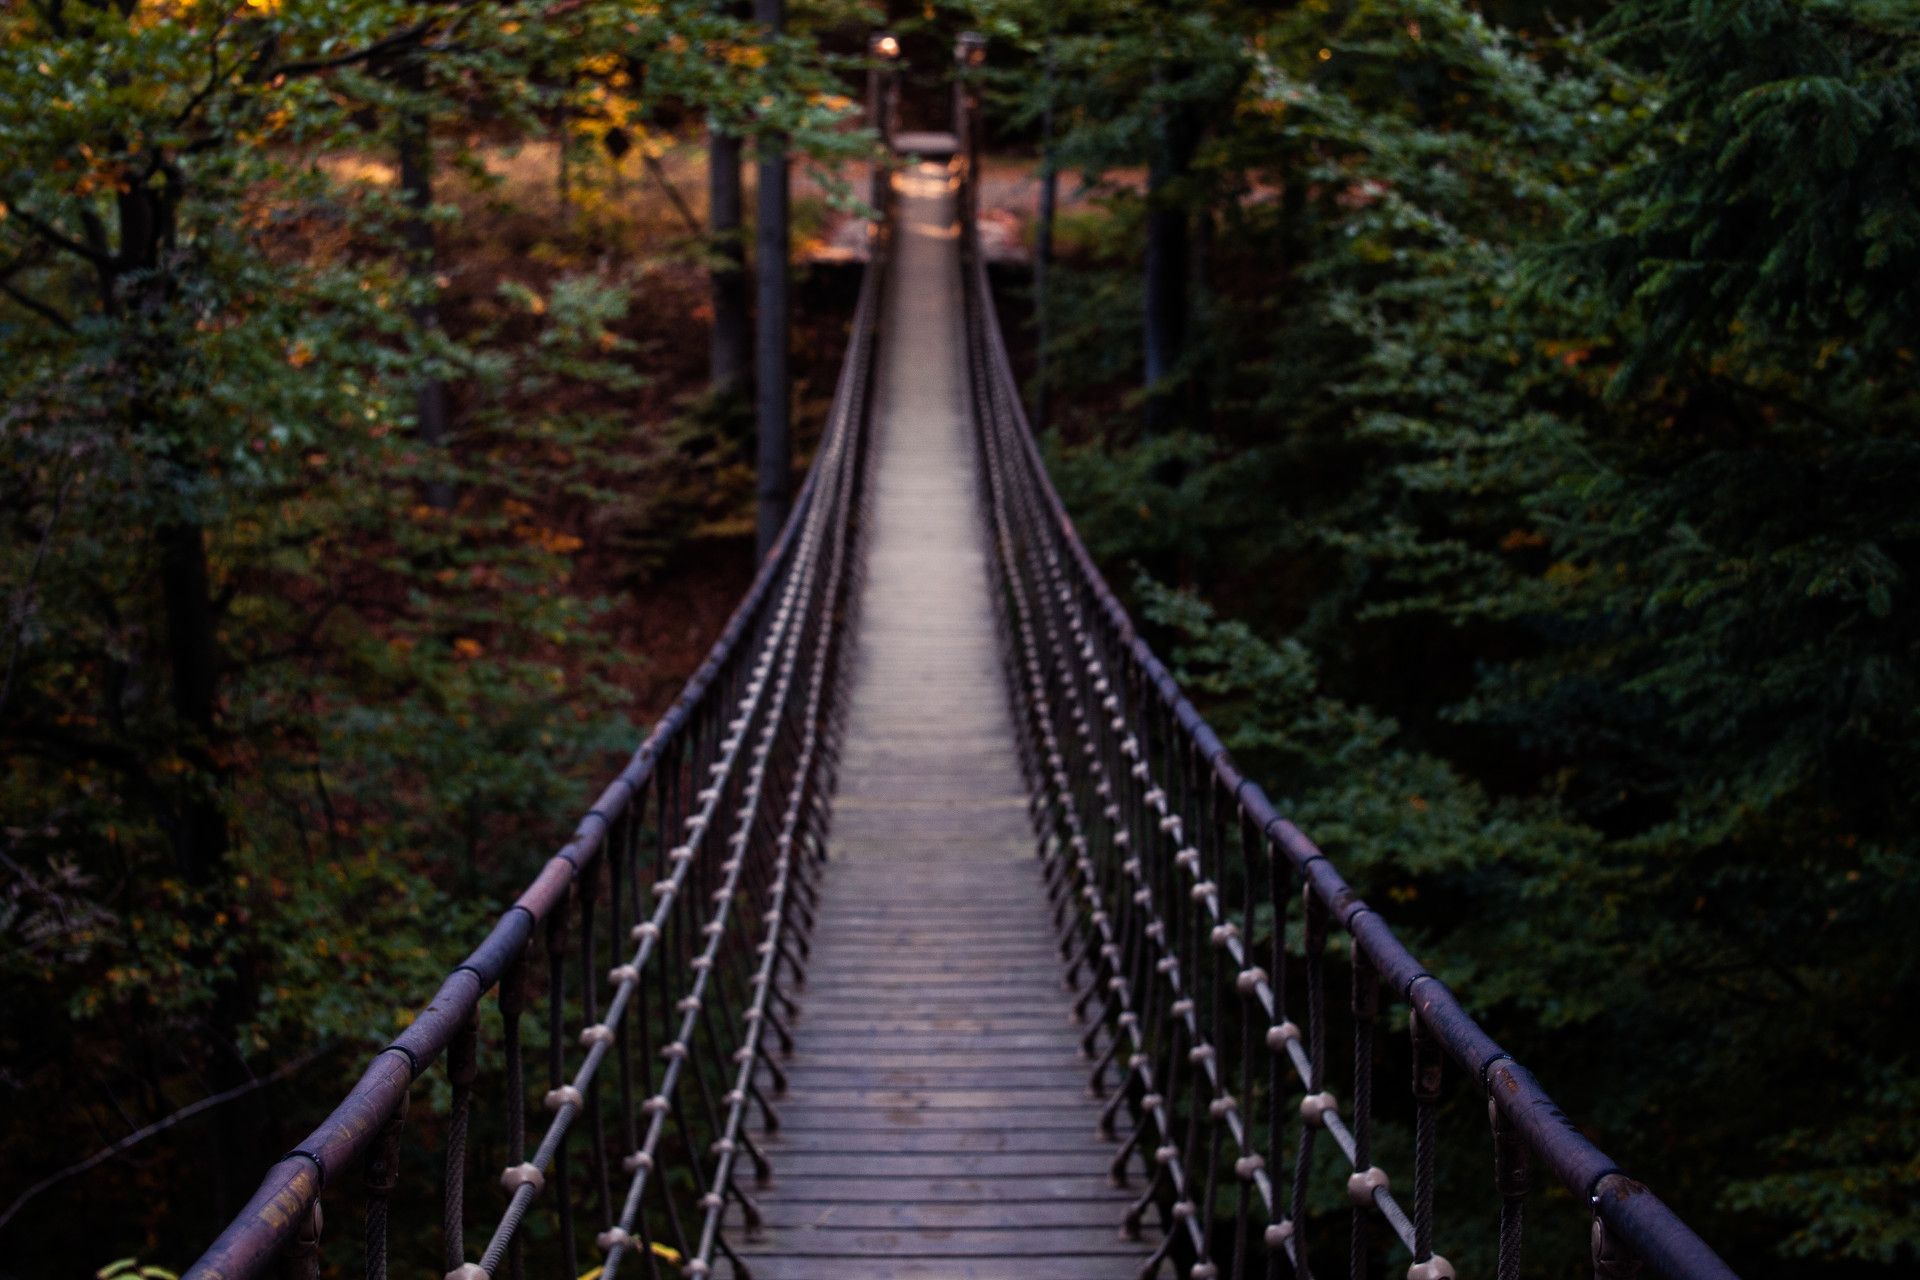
(938, 1123)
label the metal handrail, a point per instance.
(736, 770)
(1144, 820)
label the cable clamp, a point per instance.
(523, 1175)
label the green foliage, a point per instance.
(131, 1269)
(296, 685)
(1552, 485)
(1775, 223)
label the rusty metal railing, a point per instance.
(656, 949)
(1174, 882)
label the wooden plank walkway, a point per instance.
(937, 1122)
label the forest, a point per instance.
(1503, 417)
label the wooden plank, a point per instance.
(970, 1055)
(952, 954)
(822, 991)
(870, 938)
(1018, 1268)
(883, 932)
(819, 1110)
(906, 1190)
(874, 937)
(1088, 1162)
(938, 1242)
(944, 1140)
(881, 929)
(919, 943)
(895, 906)
(950, 1004)
(884, 1059)
(858, 955)
(821, 1119)
(965, 1026)
(1055, 1021)
(837, 1074)
(884, 925)
(998, 1048)
(941, 998)
(1038, 967)
(1005, 1215)
(826, 989)
(1039, 1098)
(1041, 971)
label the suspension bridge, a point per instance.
(932, 933)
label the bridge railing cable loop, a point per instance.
(1165, 865)
(680, 904)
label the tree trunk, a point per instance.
(1167, 266)
(1200, 321)
(198, 820)
(775, 453)
(1043, 250)
(201, 841)
(730, 348)
(200, 833)
(416, 188)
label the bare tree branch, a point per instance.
(387, 44)
(44, 310)
(679, 202)
(60, 239)
(135, 1138)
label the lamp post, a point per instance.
(883, 52)
(969, 55)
